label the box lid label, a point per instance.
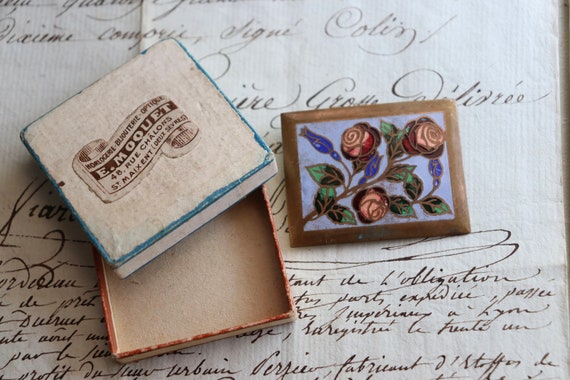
(113, 168)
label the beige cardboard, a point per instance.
(225, 279)
(225, 162)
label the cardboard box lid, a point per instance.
(148, 154)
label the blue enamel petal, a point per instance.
(320, 143)
(372, 167)
(435, 168)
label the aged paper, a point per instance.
(492, 304)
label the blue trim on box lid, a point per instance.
(54, 183)
(258, 138)
(217, 194)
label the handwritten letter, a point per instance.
(488, 305)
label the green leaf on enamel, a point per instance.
(395, 147)
(399, 173)
(342, 215)
(413, 186)
(388, 130)
(358, 165)
(326, 175)
(435, 206)
(324, 199)
(401, 207)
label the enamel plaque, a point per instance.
(375, 172)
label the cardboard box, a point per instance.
(225, 279)
(148, 154)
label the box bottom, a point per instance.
(224, 279)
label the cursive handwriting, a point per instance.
(424, 84)
(172, 6)
(339, 93)
(12, 6)
(252, 30)
(480, 365)
(404, 302)
(261, 101)
(114, 33)
(9, 34)
(33, 204)
(84, 5)
(386, 35)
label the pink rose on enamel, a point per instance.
(359, 142)
(424, 137)
(371, 204)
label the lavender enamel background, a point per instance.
(333, 130)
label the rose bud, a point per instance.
(425, 137)
(319, 142)
(371, 204)
(359, 142)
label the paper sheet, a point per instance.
(488, 305)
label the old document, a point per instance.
(492, 304)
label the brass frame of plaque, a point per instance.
(376, 172)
